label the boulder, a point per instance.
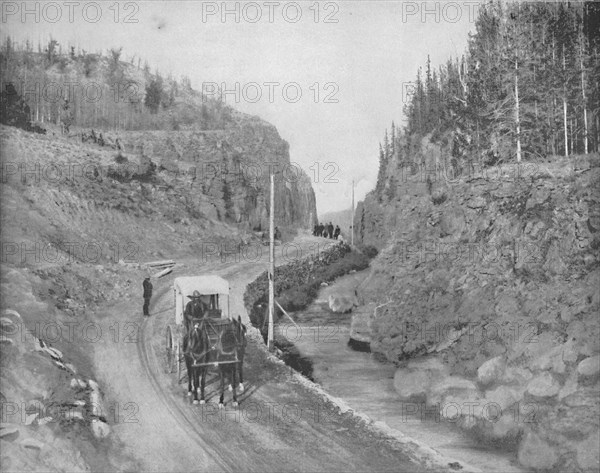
(554, 262)
(32, 443)
(74, 414)
(491, 370)
(476, 203)
(100, 429)
(588, 454)
(430, 363)
(583, 397)
(569, 354)
(96, 399)
(8, 430)
(506, 307)
(504, 396)
(411, 384)
(448, 386)
(30, 418)
(516, 375)
(569, 388)
(555, 358)
(590, 366)
(360, 326)
(535, 453)
(543, 385)
(504, 427)
(466, 404)
(342, 303)
(452, 222)
(77, 383)
(551, 359)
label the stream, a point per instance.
(318, 347)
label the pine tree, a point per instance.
(382, 170)
(154, 93)
(227, 199)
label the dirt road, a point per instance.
(280, 425)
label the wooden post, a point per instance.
(352, 236)
(518, 119)
(271, 264)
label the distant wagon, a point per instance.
(223, 337)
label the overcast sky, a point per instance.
(350, 60)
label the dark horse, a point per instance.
(208, 341)
(241, 342)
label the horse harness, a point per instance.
(216, 343)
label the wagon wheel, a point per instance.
(178, 361)
(170, 349)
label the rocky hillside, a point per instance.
(162, 133)
(488, 292)
(77, 221)
(230, 168)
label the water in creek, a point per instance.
(366, 384)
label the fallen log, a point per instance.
(162, 273)
(160, 268)
(160, 263)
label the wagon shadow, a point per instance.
(213, 391)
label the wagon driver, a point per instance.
(196, 308)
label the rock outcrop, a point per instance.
(232, 167)
(342, 302)
(497, 273)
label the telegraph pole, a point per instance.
(271, 264)
(352, 237)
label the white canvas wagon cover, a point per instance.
(207, 284)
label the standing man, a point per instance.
(147, 294)
(336, 232)
(330, 230)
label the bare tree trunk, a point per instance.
(566, 132)
(572, 140)
(535, 102)
(550, 115)
(597, 132)
(517, 111)
(585, 126)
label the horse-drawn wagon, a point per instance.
(204, 333)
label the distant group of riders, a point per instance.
(327, 230)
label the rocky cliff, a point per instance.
(488, 291)
(230, 168)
